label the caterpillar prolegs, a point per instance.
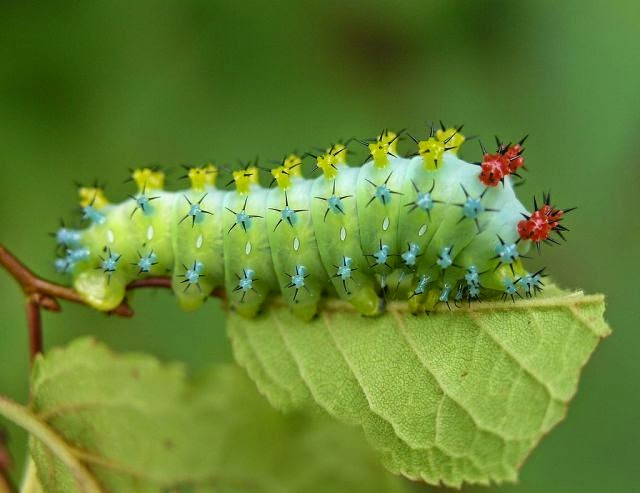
(429, 228)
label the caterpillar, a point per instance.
(428, 228)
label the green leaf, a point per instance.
(102, 422)
(457, 396)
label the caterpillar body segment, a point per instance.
(428, 229)
(298, 267)
(196, 239)
(338, 238)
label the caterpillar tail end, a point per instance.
(102, 292)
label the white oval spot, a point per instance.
(385, 223)
(199, 241)
(296, 244)
(110, 236)
(422, 230)
(150, 232)
(343, 233)
(247, 248)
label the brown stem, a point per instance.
(6, 486)
(34, 324)
(41, 293)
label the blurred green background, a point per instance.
(88, 89)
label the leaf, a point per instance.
(102, 422)
(457, 396)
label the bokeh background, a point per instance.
(88, 89)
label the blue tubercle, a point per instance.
(382, 255)
(510, 288)
(192, 275)
(195, 212)
(424, 201)
(383, 194)
(472, 208)
(110, 263)
(244, 220)
(444, 259)
(472, 277)
(67, 237)
(297, 280)
(289, 216)
(78, 254)
(93, 215)
(422, 285)
(61, 265)
(507, 253)
(246, 282)
(146, 263)
(444, 294)
(344, 270)
(144, 204)
(411, 254)
(335, 204)
(531, 283)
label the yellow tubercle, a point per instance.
(92, 196)
(282, 176)
(148, 179)
(385, 145)
(451, 138)
(211, 174)
(339, 153)
(328, 164)
(244, 178)
(379, 151)
(431, 151)
(202, 177)
(293, 165)
(391, 139)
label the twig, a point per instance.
(34, 325)
(43, 294)
(6, 486)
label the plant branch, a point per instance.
(43, 294)
(6, 485)
(34, 326)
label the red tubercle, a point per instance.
(538, 226)
(514, 154)
(494, 168)
(507, 160)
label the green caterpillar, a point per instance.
(429, 228)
